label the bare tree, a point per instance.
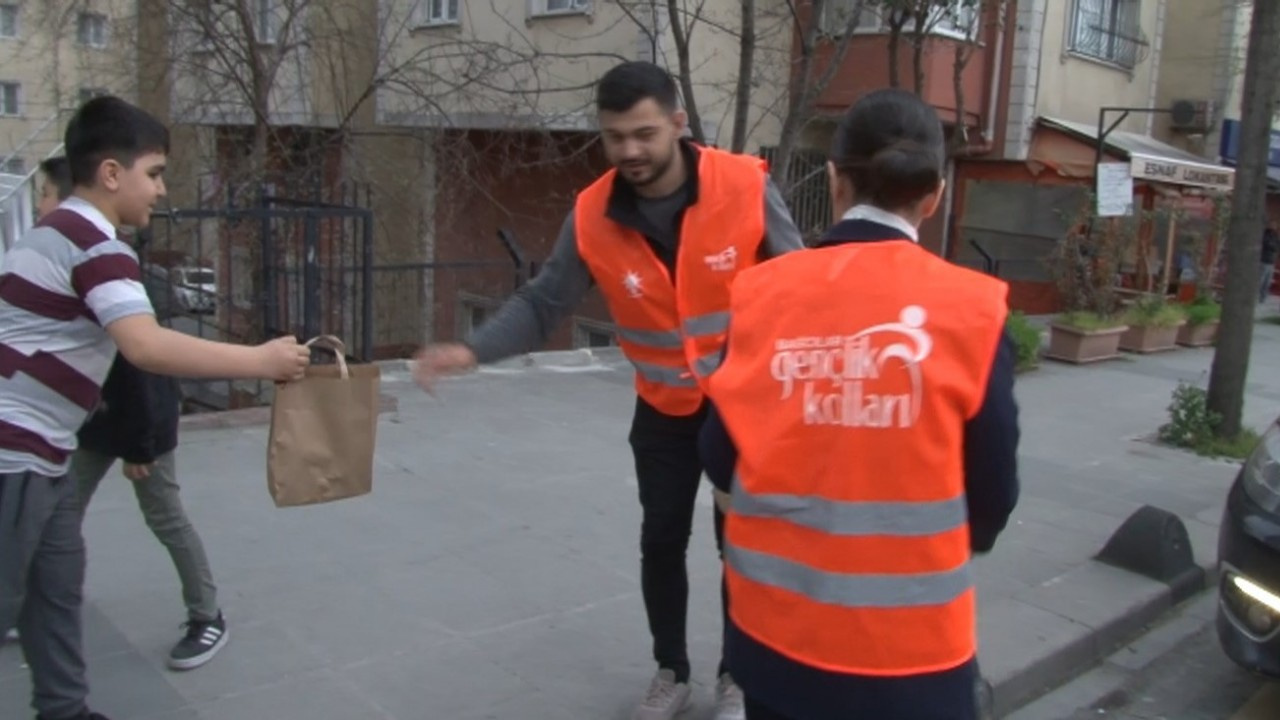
(979, 11)
(1235, 336)
(809, 80)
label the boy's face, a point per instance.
(48, 197)
(135, 189)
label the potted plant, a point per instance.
(1201, 328)
(1085, 264)
(1153, 325)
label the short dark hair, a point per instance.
(58, 170)
(631, 82)
(891, 147)
(108, 128)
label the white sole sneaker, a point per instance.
(192, 663)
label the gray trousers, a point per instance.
(163, 512)
(1264, 282)
(41, 586)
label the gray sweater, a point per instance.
(531, 315)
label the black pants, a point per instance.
(669, 469)
(756, 711)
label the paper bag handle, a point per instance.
(337, 347)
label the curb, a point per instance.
(1101, 685)
(1042, 675)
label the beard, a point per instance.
(641, 175)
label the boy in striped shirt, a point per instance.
(70, 295)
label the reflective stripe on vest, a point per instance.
(847, 589)
(709, 324)
(661, 339)
(839, 517)
(848, 518)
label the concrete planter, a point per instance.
(1202, 335)
(1073, 345)
(1150, 338)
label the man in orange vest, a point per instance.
(865, 427)
(662, 235)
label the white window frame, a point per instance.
(467, 304)
(543, 8)
(584, 327)
(86, 23)
(946, 22)
(1114, 22)
(437, 13)
(15, 13)
(17, 98)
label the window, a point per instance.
(592, 334)
(15, 166)
(957, 18)
(91, 30)
(267, 23)
(10, 98)
(472, 311)
(836, 16)
(1109, 30)
(87, 94)
(435, 12)
(8, 21)
(561, 7)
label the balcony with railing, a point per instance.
(925, 54)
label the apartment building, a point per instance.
(1070, 60)
(53, 55)
(1204, 73)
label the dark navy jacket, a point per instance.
(137, 419)
(801, 692)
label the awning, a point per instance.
(1070, 149)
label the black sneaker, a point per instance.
(203, 640)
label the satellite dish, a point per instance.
(1184, 112)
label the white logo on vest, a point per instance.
(840, 373)
(725, 261)
(632, 282)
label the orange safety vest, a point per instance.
(850, 374)
(673, 329)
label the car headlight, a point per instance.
(1262, 472)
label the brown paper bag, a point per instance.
(323, 432)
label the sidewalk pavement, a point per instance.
(493, 573)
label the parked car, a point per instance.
(1249, 561)
(195, 289)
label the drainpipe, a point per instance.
(947, 198)
(997, 68)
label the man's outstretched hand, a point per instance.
(434, 361)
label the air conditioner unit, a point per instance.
(1192, 116)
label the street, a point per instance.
(1193, 681)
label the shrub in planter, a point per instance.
(1201, 328)
(1026, 340)
(1084, 337)
(1152, 326)
(1085, 264)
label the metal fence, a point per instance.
(277, 266)
(805, 188)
